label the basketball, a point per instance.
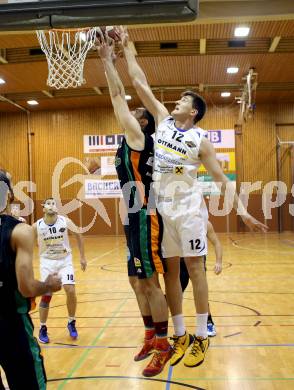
(110, 31)
(93, 164)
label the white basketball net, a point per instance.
(66, 52)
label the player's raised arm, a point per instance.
(131, 127)
(208, 158)
(139, 80)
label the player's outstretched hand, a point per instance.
(53, 282)
(218, 268)
(83, 264)
(253, 224)
(123, 34)
(105, 46)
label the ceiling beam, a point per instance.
(3, 56)
(97, 90)
(202, 46)
(274, 44)
(48, 94)
(7, 100)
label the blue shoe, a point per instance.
(211, 332)
(43, 336)
(71, 326)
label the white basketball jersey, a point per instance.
(176, 159)
(53, 239)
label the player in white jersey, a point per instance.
(55, 257)
(180, 148)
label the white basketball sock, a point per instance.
(179, 326)
(201, 325)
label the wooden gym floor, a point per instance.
(251, 301)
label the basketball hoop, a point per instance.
(66, 51)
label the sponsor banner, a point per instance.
(102, 189)
(227, 161)
(102, 143)
(110, 142)
(108, 165)
(222, 139)
(204, 177)
(209, 187)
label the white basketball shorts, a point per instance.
(184, 226)
(63, 267)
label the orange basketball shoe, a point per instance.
(146, 350)
(157, 363)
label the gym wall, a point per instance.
(59, 134)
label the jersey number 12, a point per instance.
(195, 244)
(177, 136)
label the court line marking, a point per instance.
(85, 353)
(286, 242)
(133, 347)
(101, 256)
(116, 299)
(233, 334)
(186, 292)
(226, 265)
(236, 245)
(132, 326)
(227, 379)
(215, 315)
(117, 264)
(127, 377)
(236, 304)
(66, 345)
(169, 377)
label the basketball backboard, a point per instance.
(45, 14)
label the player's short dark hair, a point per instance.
(198, 103)
(5, 184)
(150, 128)
(45, 200)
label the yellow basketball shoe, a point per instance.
(197, 353)
(181, 344)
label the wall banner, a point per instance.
(222, 139)
(102, 143)
(102, 189)
(108, 166)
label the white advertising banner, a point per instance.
(222, 139)
(107, 165)
(110, 142)
(102, 189)
(102, 143)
